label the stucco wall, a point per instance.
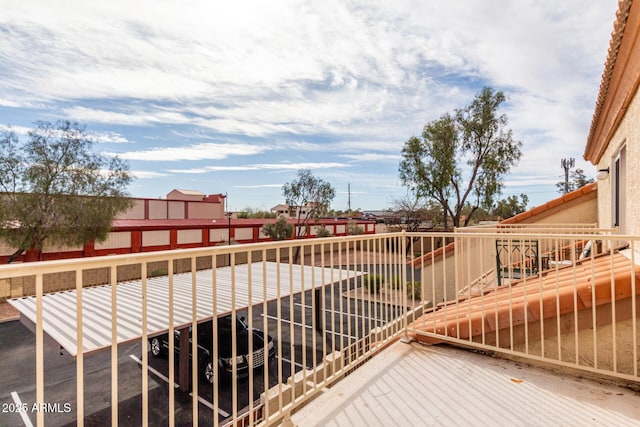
(135, 212)
(582, 210)
(627, 135)
(179, 195)
(157, 209)
(201, 210)
(175, 209)
(438, 280)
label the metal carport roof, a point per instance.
(60, 314)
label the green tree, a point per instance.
(278, 230)
(511, 206)
(462, 158)
(55, 189)
(429, 164)
(255, 213)
(308, 192)
(479, 214)
(577, 179)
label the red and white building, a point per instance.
(185, 219)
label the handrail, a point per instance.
(338, 305)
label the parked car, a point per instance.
(160, 346)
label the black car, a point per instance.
(160, 346)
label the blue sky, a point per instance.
(236, 97)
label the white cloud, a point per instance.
(373, 157)
(147, 174)
(295, 66)
(203, 151)
(18, 130)
(264, 166)
(308, 82)
(110, 137)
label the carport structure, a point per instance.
(153, 304)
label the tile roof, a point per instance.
(427, 259)
(587, 190)
(622, 17)
(546, 295)
(543, 208)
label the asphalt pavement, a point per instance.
(299, 343)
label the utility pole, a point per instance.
(349, 198)
(567, 164)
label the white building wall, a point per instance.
(627, 135)
(156, 238)
(176, 210)
(243, 234)
(119, 239)
(189, 236)
(219, 235)
(202, 210)
(157, 209)
(135, 212)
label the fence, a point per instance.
(273, 324)
(567, 298)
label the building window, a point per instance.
(618, 190)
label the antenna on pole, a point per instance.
(567, 164)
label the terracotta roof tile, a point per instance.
(582, 191)
(426, 259)
(622, 16)
(544, 296)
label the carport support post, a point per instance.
(183, 362)
(318, 308)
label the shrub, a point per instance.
(395, 282)
(279, 230)
(373, 282)
(414, 290)
(353, 229)
(323, 232)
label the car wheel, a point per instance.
(209, 372)
(156, 347)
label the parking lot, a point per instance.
(291, 321)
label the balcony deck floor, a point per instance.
(414, 384)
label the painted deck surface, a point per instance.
(418, 385)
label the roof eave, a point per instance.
(599, 135)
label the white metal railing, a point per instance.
(311, 297)
(328, 305)
(565, 298)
